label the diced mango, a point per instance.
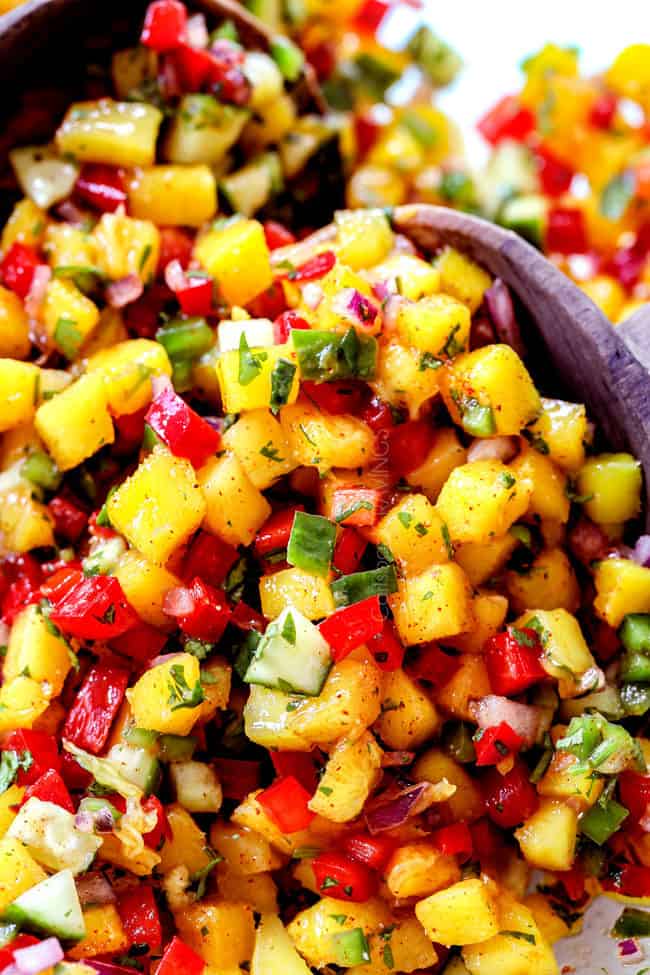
(18, 871)
(466, 802)
(408, 716)
(235, 508)
(483, 560)
(446, 454)
(489, 610)
(259, 443)
(481, 500)
(187, 845)
(364, 237)
(403, 377)
(238, 258)
(622, 587)
(26, 225)
(560, 431)
(220, 931)
(549, 497)
(435, 604)
(255, 393)
(145, 585)
(611, 486)
(415, 534)
(69, 247)
(104, 933)
(25, 523)
(549, 583)
(125, 246)
(309, 594)
(508, 954)
(463, 914)
(469, 683)
(75, 423)
(321, 440)
(311, 930)
(19, 391)
(69, 316)
(462, 277)
(173, 195)
(566, 655)
(127, 369)
(9, 804)
(548, 838)
(14, 327)
(438, 326)
(417, 278)
(105, 131)
(161, 698)
(563, 781)
(35, 650)
(419, 869)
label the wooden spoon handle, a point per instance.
(635, 331)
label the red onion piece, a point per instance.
(391, 311)
(354, 306)
(641, 552)
(169, 79)
(36, 958)
(36, 294)
(125, 291)
(175, 276)
(163, 659)
(71, 213)
(524, 719)
(196, 31)
(493, 448)
(94, 888)
(382, 290)
(84, 822)
(630, 952)
(502, 312)
(178, 601)
(409, 802)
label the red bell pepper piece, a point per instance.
(487, 842)
(335, 397)
(210, 612)
(164, 25)
(185, 432)
(219, 68)
(247, 618)
(357, 506)
(386, 648)
(95, 707)
(142, 317)
(409, 443)
(343, 879)
(57, 586)
(493, 744)
(238, 776)
(372, 851)
(348, 551)
(94, 609)
(370, 15)
(554, 175)
(179, 959)
(322, 56)
(512, 661)
(41, 746)
(634, 793)
(101, 186)
(565, 231)
(17, 268)
(129, 429)
(17, 596)
(50, 787)
(141, 643)
(210, 558)
(75, 777)
(196, 297)
(629, 879)
(378, 415)
(454, 840)
(573, 881)
(286, 803)
(603, 110)
(175, 245)
(274, 534)
(299, 765)
(367, 129)
(162, 829)
(69, 520)
(350, 627)
(511, 798)
(277, 235)
(508, 119)
(283, 324)
(7, 952)
(313, 269)
(140, 917)
(433, 665)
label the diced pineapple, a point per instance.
(548, 838)
(549, 496)
(14, 327)
(187, 845)
(309, 594)
(482, 561)
(220, 931)
(26, 225)
(145, 585)
(611, 484)
(408, 716)
(18, 871)
(244, 850)
(462, 278)
(419, 869)
(237, 256)
(481, 500)
(104, 933)
(346, 706)
(352, 771)
(173, 195)
(202, 131)
(566, 655)
(560, 431)
(438, 326)
(69, 317)
(218, 679)
(311, 930)
(125, 246)
(490, 391)
(321, 440)
(274, 950)
(434, 765)
(19, 391)
(75, 423)
(415, 534)
(110, 331)
(508, 953)
(36, 651)
(22, 701)
(445, 455)
(417, 279)
(489, 610)
(10, 802)
(105, 131)
(562, 780)
(127, 369)
(161, 700)
(468, 684)
(159, 506)
(25, 523)
(549, 583)
(433, 605)
(235, 508)
(364, 237)
(622, 587)
(256, 392)
(259, 444)
(550, 924)
(70, 247)
(403, 377)
(463, 914)
(410, 950)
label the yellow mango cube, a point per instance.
(490, 391)
(433, 605)
(547, 839)
(483, 560)
(24, 522)
(259, 444)
(67, 246)
(549, 583)
(145, 585)
(309, 594)
(76, 423)
(438, 325)
(9, 803)
(629, 74)
(325, 441)
(36, 651)
(410, 950)
(468, 684)
(352, 771)
(611, 484)
(159, 506)
(504, 954)
(110, 331)
(565, 650)
(238, 258)
(173, 195)
(463, 914)
(127, 369)
(622, 587)
(417, 279)
(560, 431)
(562, 781)
(221, 932)
(419, 869)
(19, 391)
(18, 871)
(14, 327)
(549, 495)
(403, 377)
(462, 277)
(481, 500)
(161, 699)
(408, 716)
(126, 246)
(104, 933)
(105, 131)
(550, 924)
(187, 845)
(445, 455)
(466, 802)
(255, 393)
(489, 611)
(26, 225)
(311, 930)
(415, 534)
(363, 237)
(235, 508)
(69, 316)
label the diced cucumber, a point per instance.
(511, 172)
(136, 765)
(288, 57)
(104, 556)
(51, 837)
(176, 748)
(526, 215)
(197, 787)
(51, 907)
(292, 656)
(203, 130)
(251, 187)
(141, 737)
